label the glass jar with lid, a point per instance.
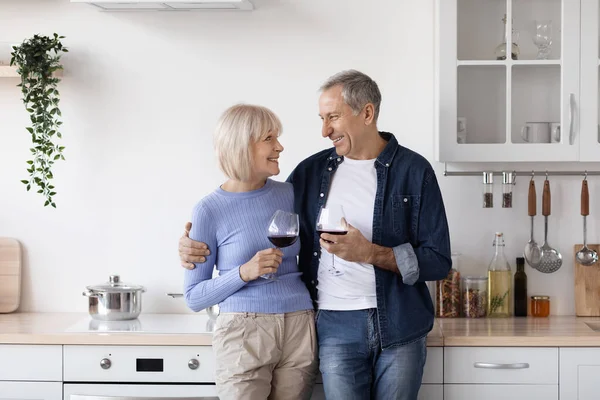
(474, 296)
(540, 306)
(447, 292)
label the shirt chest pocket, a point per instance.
(406, 215)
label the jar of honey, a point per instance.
(540, 306)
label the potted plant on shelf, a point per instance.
(37, 59)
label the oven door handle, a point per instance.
(87, 397)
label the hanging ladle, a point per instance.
(585, 256)
(551, 259)
(532, 252)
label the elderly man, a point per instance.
(373, 319)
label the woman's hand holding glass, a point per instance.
(264, 262)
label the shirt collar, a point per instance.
(385, 157)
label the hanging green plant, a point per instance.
(37, 59)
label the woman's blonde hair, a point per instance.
(239, 127)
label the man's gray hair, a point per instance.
(358, 89)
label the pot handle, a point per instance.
(89, 293)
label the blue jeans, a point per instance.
(353, 365)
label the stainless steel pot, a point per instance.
(114, 301)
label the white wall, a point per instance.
(140, 97)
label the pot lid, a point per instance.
(114, 285)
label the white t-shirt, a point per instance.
(353, 186)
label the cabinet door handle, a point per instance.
(571, 118)
(501, 366)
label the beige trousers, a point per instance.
(265, 356)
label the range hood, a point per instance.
(179, 5)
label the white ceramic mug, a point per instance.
(555, 135)
(536, 132)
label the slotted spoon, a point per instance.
(551, 259)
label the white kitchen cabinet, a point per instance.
(579, 373)
(433, 372)
(431, 392)
(483, 104)
(31, 363)
(590, 62)
(502, 392)
(31, 390)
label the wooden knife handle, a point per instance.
(546, 199)
(531, 199)
(585, 198)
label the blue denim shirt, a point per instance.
(409, 217)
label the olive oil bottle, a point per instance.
(500, 294)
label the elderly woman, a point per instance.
(264, 338)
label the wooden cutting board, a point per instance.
(587, 285)
(10, 274)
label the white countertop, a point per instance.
(148, 330)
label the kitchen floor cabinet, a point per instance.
(431, 392)
(30, 372)
(493, 108)
(30, 363)
(501, 392)
(579, 373)
(30, 390)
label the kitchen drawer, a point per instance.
(30, 363)
(31, 390)
(434, 366)
(501, 392)
(519, 365)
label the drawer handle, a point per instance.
(501, 366)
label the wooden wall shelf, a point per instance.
(6, 71)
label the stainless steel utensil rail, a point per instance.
(522, 173)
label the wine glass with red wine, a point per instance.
(283, 231)
(332, 220)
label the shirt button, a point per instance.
(315, 254)
(387, 165)
(339, 159)
(329, 168)
(405, 200)
(313, 282)
(321, 195)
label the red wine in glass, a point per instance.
(332, 220)
(283, 231)
(281, 241)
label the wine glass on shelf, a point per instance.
(542, 38)
(332, 220)
(283, 231)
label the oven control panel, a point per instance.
(139, 364)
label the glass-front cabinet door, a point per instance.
(590, 85)
(507, 76)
